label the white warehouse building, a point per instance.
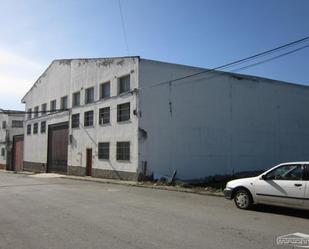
(127, 117)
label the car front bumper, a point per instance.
(228, 193)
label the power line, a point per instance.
(270, 59)
(237, 62)
(220, 73)
(56, 111)
(268, 52)
(123, 26)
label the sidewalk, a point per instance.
(146, 185)
(16, 172)
(200, 191)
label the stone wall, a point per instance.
(76, 171)
(103, 173)
(35, 167)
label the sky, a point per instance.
(204, 33)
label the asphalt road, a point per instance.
(38, 213)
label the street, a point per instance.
(39, 213)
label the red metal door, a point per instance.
(89, 163)
(18, 150)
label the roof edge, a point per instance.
(248, 76)
(72, 59)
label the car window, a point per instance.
(306, 172)
(286, 172)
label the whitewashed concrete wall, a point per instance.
(3, 117)
(53, 84)
(11, 131)
(35, 145)
(2, 158)
(89, 137)
(65, 77)
(219, 125)
(91, 74)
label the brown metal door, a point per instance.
(18, 153)
(58, 148)
(89, 162)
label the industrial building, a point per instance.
(128, 118)
(11, 139)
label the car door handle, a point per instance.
(298, 185)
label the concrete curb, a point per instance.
(99, 180)
(142, 185)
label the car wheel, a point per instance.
(243, 199)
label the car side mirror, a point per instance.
(264, 177)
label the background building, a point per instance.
(128, 117)
(11, 139)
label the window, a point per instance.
(88, 118)
(306, 173)
(105, 90)
(35, 128)
(28, 129)
(43, 126)
(29, 113)
(76, 99)
(103, 151)
(3, 152)
(123, 151)
(43, 108)
(3, 124)
(64, 103)
(104, 115)
(286, 172)
(17, 124)
(53, 105)
(36, 111)
(89, 95)
(123, 112)
(75, 120)
(124, 84)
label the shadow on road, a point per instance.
(281, 211)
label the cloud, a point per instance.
(17, 73)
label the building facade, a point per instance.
(11, 139)
(128, 118)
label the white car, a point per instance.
(286, 184)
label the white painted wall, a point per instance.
(221, 124)
(35, 145)
(65, 77)
(11, 131)
(85, 137)
(3, 117)
(53, 84)
(2, 158)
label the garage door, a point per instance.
(58, 148)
